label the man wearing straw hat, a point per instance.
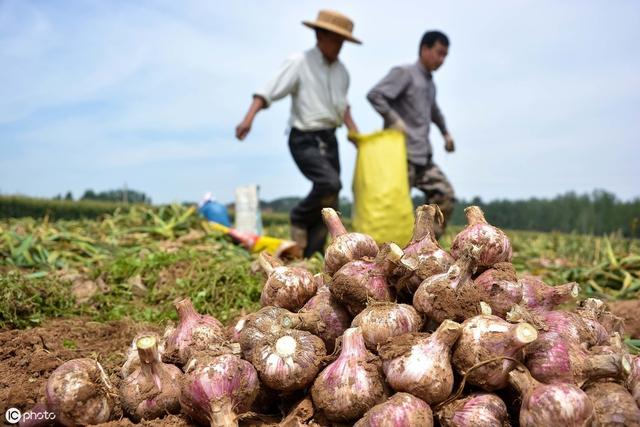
(317, 82)
(406, 99)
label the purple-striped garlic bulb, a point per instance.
(555, 358)
(474, 410)
(288, 360)
(400, 410)
(486, 337)
(194, 332)
(423, 257)
(335, 317)
(235, 327)
(420, 363)
(351, 385)
(549, 405)
(344, 247)
(573, 326)
(486, 244)
(78, 392)
(271, 321)
(153, 389)
(540, 296)
(359, 282)
(383, 320)
(133, 360)
(423, 239)
(217, 392)
(286, 287)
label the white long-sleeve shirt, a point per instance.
(318, 90)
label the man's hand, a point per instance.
(242, 130)
(353, 135)
(448, 143)
(352, 129)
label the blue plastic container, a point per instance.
(215, 212)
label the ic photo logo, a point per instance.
(14, 416)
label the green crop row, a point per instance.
(20, 206)
(135, 262)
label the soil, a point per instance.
(29, 356)
(628, 310)
(482, 340)
(439, 301)
(408, 283)
(400, 345)
(330, 392)
(613, 404)
(504, 271)
(357, 284)
(383, 320)
(168, 421)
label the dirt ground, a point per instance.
(630, 312)
(28, 357)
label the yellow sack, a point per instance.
(382, 205)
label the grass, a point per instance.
(28, 301)
(606, 267)
(135, 263)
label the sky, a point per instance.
(541, 97)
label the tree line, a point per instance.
(120, 195)
(599, 212)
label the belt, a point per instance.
(313, 132)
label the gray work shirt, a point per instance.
(408, 92)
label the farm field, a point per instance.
(84, 288)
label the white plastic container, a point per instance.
(247, 217)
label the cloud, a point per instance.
(100, 93)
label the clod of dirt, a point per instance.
(628, 310)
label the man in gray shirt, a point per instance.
(406, 100)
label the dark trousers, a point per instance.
(316, 155)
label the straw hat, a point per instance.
(335, 22)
